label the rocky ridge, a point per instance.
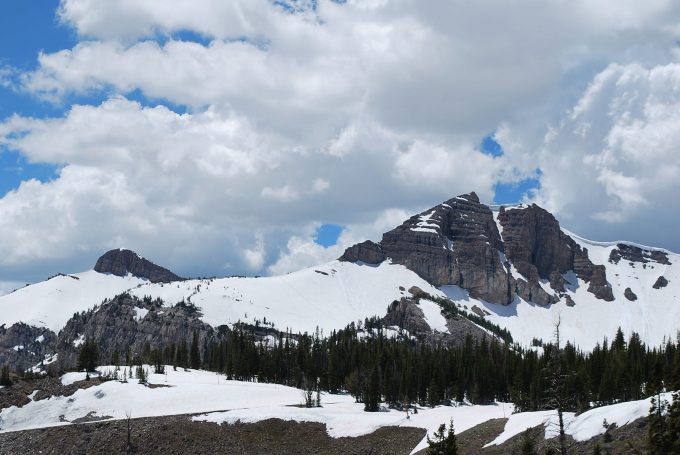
(120, 262)
(461, 242)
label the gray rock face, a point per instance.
(24, 346)
(458, 243)
(120, 262)
(368, 252)
(660, 282)
(129, 323)
(454, 243)
(630, 295)
(632, 253)
(539, 249)
(406, 314)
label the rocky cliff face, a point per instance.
(456, 242)
(120, 262)
(538, 248)
(459, 243)
(129, 323)
(24, 346)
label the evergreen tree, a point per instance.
(195, 354)
(372, 396)
(115, 358)
(657, 441)
(88, 356)
(556, 393)
(444, 442)
(528, 443)
(4, 376)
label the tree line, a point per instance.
(376, 368)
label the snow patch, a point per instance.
(433, 315)
(581, 427)
(78, 342)
(140, 313)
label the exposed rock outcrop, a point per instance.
(634, 253)
(126, 322)
(660, 282)
(120, 262)
(538, 248)
(459, 243)
(368, 252)
(630, 295)
(453, 243)
(23, 346)
(407, 314)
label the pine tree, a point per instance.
(195, 354)
(528, 443)
(657, 432)
(372, 396)
(88, 356)
(4, 376)
(444, 442)
(556, 393)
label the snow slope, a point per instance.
(51, 303)
(328, 296)
(221, 401)
(581, 427)
(655, 315)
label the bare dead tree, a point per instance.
(556, 396)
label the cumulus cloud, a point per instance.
(610, 166)
(301, 251)
(206, 192)
(329, 112)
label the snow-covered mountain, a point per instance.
(514, 266)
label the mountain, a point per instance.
(457, 269)
(462, 242)
(122, 262)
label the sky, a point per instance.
(259, 137)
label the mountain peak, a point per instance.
(495, 256)
(471, 197)
(121, 261)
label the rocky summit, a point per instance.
(121, 262)
(495, 255)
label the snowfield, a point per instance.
(218, 400)
(328, 296)
(222, 401)
(51, 303)
(581, 427)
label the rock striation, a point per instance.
(540, 250)
(519, 252)
(120, 262)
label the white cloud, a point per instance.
(301, 251)
(611, 167)
(195, 191)
(330, 116)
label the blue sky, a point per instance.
(246, 137)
